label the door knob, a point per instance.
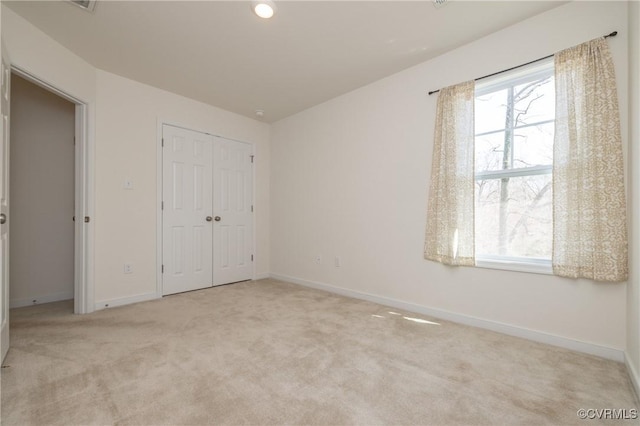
(209, 218)
(3, 218)
(217, 218)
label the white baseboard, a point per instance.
(38, 300)
(111, 303)
(262, 276)
(511, 330)
(633, 374)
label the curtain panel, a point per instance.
(450, 212)
(589, 206)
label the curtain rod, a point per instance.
(613, 34)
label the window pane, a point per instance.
(534, 102)
(533, 146)
(515, 130)
(519, 225)
(489, 151)
(490, 111)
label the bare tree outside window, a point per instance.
(513, 161)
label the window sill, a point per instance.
(534, 266)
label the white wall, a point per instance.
(633, 290)
(35, 52)
(350, 176)
(126, 147)
(122, 131)
(42, 195)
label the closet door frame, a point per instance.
(159, 179)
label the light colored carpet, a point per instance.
(269, 352)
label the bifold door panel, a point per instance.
(207, 224)
(233, 181)
(187, 201)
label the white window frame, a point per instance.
(512, 263)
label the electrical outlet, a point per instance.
(319, 259)
(128, 183)
(337, 262)
(128, 268)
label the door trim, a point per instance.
(159, 179)
(83, 246)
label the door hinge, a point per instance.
(251, 209)
(163, 142)
(252, 258)
(74, 141)
(161, 205)
(251, 158)
(163, 269)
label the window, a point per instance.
(514, 129)
(502, 147)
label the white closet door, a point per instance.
(187, 211)
(233, 226)
(5, 69)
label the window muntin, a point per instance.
(514, 125)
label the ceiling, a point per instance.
(220, 53)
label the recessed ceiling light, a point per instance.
(263, 8)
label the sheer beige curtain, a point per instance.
(589, 219)
(450, 213)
